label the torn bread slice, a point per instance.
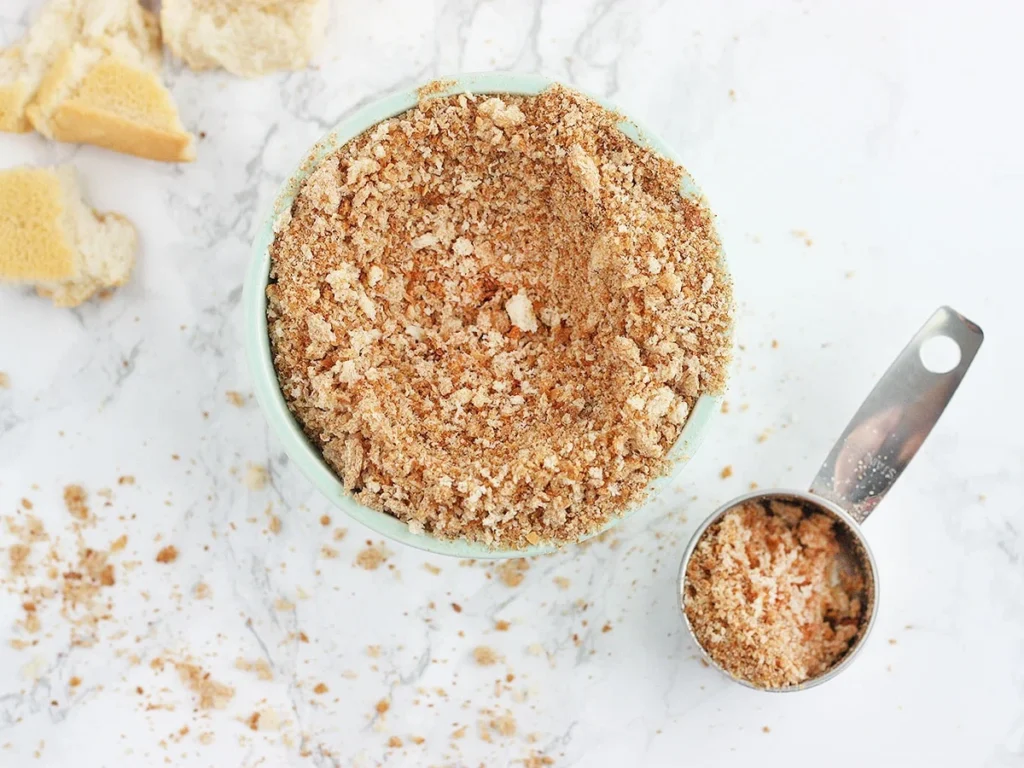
(246, 37)
(105, 95)
(59, 24)
(51, 239)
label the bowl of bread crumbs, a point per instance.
(489, 316)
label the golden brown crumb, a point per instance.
(75, 499)
(431, 568)
(394, 742)
(501, 625)
(201, 591)
(382, 706)
(126, 480)
(119, 543)
(372, 557)
(775, 343)
(766, 729)
(726, 471)
(212, 695)
(417, 739)
(274, 526)
(325, 520)
(259, 666)
(725, 406)
(256, 477)
(485, 656)
(512, 572)
(167, 555)
(494, 314)
(765, 595)
(562, 582)
(320, 689)
(456, 607)
(5, 381)
(236, 399)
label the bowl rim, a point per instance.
(257, 340)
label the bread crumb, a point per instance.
(371, 558)
(394, 742)
(766, 597)
(201, 591)
(431, 568)
(766, 729)
(485, 656)
(726, 472)
(465, 364)
(126, 480)
(501, 625)
(325, 520)
(259, 666)
(513, 571)
(210, 693)
(5, 381)
(75, 499)
(256, 477)
(320, 689)
(167, 555)
(562, 582)
(382, 706)
(236, 399)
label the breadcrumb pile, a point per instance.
(494, 314)
(767, 598)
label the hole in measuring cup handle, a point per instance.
(939, 354)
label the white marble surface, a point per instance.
(888, 133)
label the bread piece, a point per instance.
(50, 238)
(61, 23)
(104, 95)
(246, 37)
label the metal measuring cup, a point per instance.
(868, 458)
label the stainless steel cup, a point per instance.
(869, 457)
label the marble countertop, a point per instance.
(866, 166)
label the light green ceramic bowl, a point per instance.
(268, 394)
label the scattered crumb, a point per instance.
(512, 572)
(75, 500)
(802, 235)
(126, 480)
(725, 406)
(5, 381)
(320, 689)
(732, 94)
(212, 695)
(256, 477)
(394, 742)
(775, 343)
(431, 568)
(325, 520)
(371, 558)
(485, 656)
(382, 706)
(236, 399)
(726, 471)
(562, 582)
(892, 641)
(456, 607)
(167, 555)
(501, 625)
(766, 729)
(201, 591)
(259, 666)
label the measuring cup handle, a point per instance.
(897, 416)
